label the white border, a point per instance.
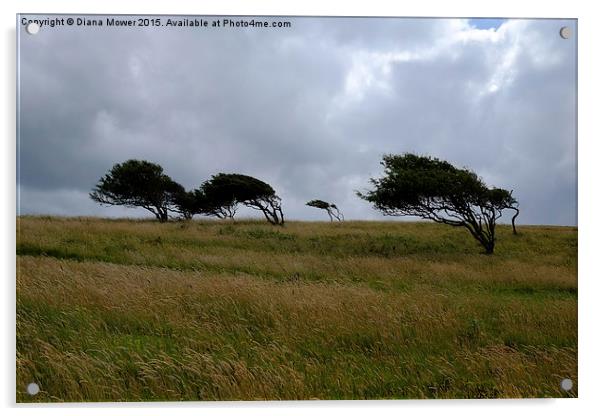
(590, 68)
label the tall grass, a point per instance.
(124, 310)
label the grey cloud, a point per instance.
(310, 109)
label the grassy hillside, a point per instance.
(136, 310)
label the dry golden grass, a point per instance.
(135, 310)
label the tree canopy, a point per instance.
(138, 183)
(188, 203)
(257, 195)
(331, 209)
(221, 196)
(433, 189)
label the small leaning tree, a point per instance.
(331, 209)
(433, 189)
(139, 184)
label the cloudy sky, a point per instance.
(309, 109)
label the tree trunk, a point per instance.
(231, 212)
(163, 216)
(513, 220)
(271, 212)
(487, 241)
(338, 214)
(489, 248)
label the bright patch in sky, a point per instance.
(485, 24)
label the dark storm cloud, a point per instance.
(309, 109)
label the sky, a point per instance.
(485, 24)
(310, 109)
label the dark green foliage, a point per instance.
(318, 203)
(187, 203)
(331, 209)
(221, 195)
(433, 189)
(138, 183)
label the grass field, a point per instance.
(124, 310)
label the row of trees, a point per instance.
(412, 185)
(139, 183)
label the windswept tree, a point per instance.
(221, 196)
(218, 197)
(262, 197)
(187, 204)
(138, 184)
(331, 209)
(433, 189)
